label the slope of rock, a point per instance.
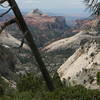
(7, 39)
(83, 35)
(83, 65)
(72, 42)
(59, 51)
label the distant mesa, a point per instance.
(37, 11)
(40, 20)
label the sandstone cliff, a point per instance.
(44, 22)
(83, 65)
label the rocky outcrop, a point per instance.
(82, 67)
(44, 22)
(81, 52)
(58, 51)
(7, 39)
(71, 42)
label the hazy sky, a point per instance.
(76, 6)
(48, 4)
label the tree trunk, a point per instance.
(28, 36)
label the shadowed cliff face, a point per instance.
(7, 62)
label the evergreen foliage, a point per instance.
(98, 78)
(32, 88)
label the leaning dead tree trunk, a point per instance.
(28, 36)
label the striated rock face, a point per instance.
(38, 19)
(71, 42)
(82, 66)
(44, 22)
(59, 51)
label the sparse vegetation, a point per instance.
(33, 88)
(29, 82)
(98, 78)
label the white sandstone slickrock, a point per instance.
(71, 42)
(82, 66)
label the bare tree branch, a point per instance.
(6, 12)
(22, 41)
(7, 24)
(94, 6)
(2, 1)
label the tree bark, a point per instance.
(28, 36)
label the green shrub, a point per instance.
(1, 90)
(69, 93)
(18, 96)
(73, 93)
(29, 82)
(98, 78)
(56, 80)
(24, 60)
(32, 88)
